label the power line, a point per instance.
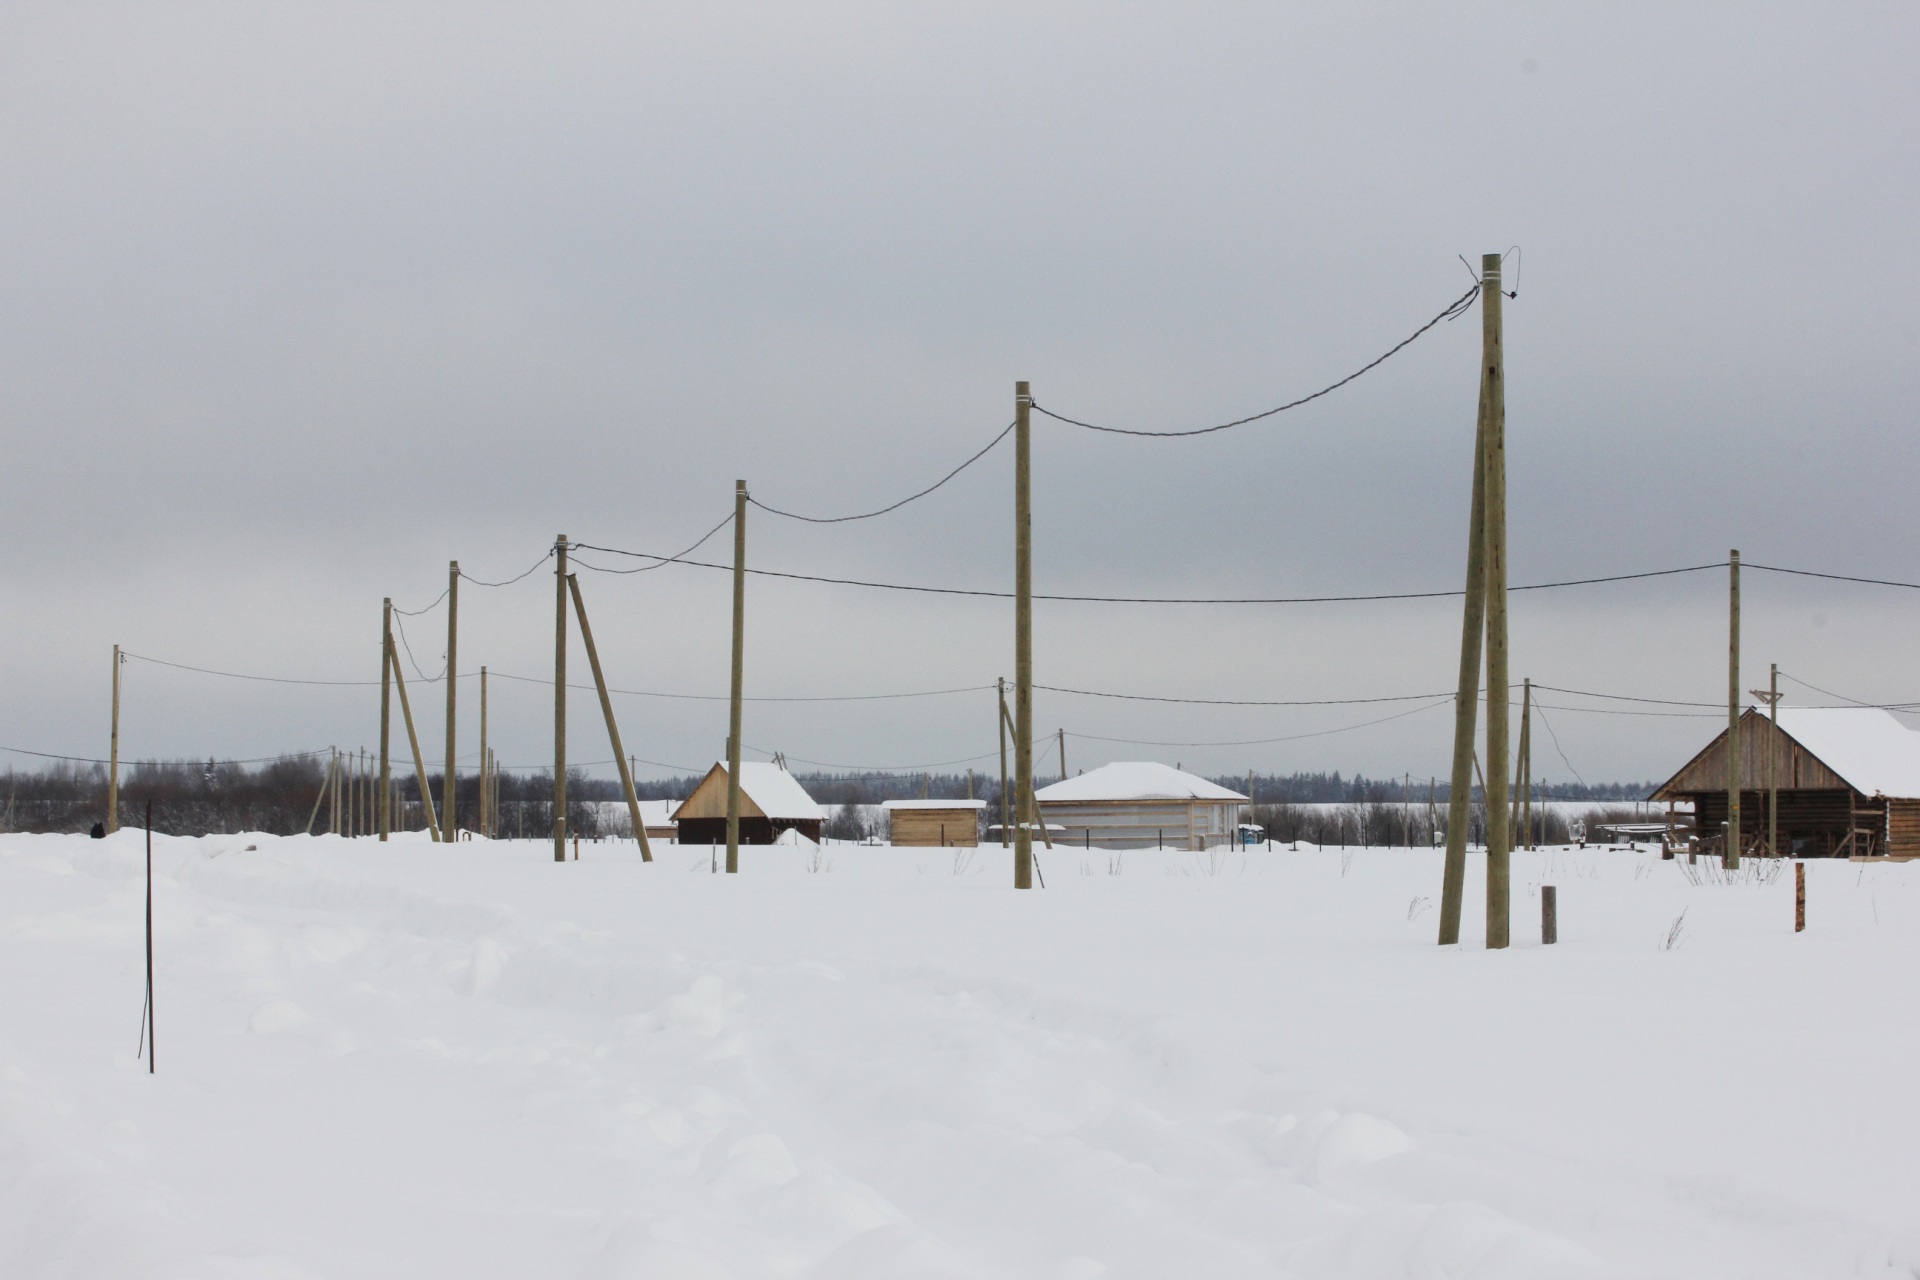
(401, 628)
(1835, 577)
(414, 613)
(1244, 702)
(660, 561)
(1453, 309)
(1008, 595)
(237, 675)
(1878, 706)
(194, 762)
(896, 506)
(1257, 742)
(1563, 755)
(874, 768)
(721, 697)
(1622, 697)
(548, 555)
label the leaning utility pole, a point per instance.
(386, 720)
(1523, 769)
(1466, 699)
(113, 753)
(739, 672)
(560, 699)
(1000, 682)
(1730, 855)
(413, 741)
(1022, 638)
(1499, 833)
(453, 687)
(613, 728)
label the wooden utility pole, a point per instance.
(413, 740)
(613, 729)
(1466, 699)
(560, 699)
(1730, 856)
(326, 785)
(739, 672)
(1005, 815)
(1773, 751)
(1063, 755)
(113, 752)
(386, 720)
(447, 781)
(1022, 637)
(483, 804)
(1499, 834)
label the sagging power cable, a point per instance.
(868, 515)
(1454, 309)
(1074, 599)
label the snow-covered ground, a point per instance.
(418, 1061)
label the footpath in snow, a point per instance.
(411, 1060)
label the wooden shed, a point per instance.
(1138, 805)
(921, 824)
(770, 802)
(1847, 779)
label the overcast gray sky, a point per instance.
(300, 302)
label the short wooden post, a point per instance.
(1799, 897)
(1549, 915)
(413, 740)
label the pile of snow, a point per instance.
(413, 1060)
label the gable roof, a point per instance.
(1864, 748)
(1136, 780)
(766, 788)
(1872, 750)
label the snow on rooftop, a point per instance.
(1872, 750)
(1136, 780)
(934, 804)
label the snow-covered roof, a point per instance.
(1136, 780)
(657, 813)
(1873, 751)
(776, 793)
(934, 804)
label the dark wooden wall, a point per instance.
(1812, 823)
(752, 830)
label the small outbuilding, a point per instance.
(1847, 781)
(771, 802)
(921, 824)
(657, 817)
(1139, 805)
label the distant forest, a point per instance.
(283, 796)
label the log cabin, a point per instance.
(1847, 781)
(771, 802)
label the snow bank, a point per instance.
(414, 1060)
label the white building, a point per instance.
(1138, 805)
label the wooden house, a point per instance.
(1847, 781)
(771, 802)
(923, 824)
(1139, 805)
